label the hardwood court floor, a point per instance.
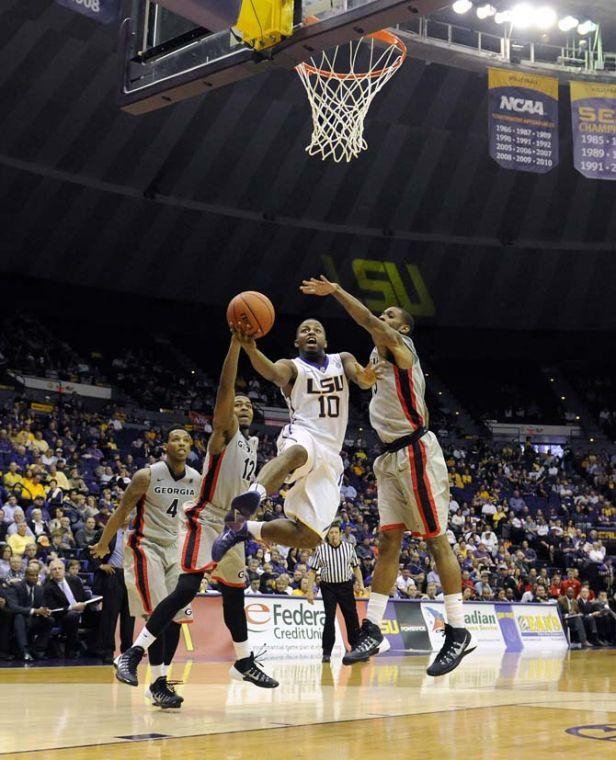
(493, 706)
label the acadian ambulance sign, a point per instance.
(288, 627)
(480, 619)
(523, 120)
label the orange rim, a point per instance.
(382, 36)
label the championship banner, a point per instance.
(593, 115)
(523, 121)
(103, 11)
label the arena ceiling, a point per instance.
(202, 199)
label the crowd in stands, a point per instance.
(523, 523)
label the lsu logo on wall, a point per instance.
(385, 283)
(520, 105)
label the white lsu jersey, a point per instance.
(319, 401)
(228, 474)
(158, 509)
(398, 406)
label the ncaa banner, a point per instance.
(523, 120)
(103, 11)
(593, 115)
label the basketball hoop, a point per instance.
(340, 99)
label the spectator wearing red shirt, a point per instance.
(555, 589)
(571, 582)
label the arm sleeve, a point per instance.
(354, 560)
(316, 561)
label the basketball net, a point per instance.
(339, 100)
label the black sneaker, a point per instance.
(458, 643)
(247, 669)
(368, 643)
(126, 665)
(163, 694)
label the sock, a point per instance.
(145, 639)
(259, 489)
(164, 669)
(454, 610)
(254, 528)
(376, 607)
(242, 649)
(157, 671)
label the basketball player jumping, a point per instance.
(151, 562)
(315, 386)
(411, 474)
(228, 469)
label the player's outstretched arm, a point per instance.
(366, 376)
(282, 372)
(135, 490)
(224, 421)
(382, 333)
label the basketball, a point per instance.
(253, 311)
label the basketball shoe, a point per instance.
(235, 532)
(458, 643)
(162, 693)
(126, 665)
(247, 669)
(369, 643)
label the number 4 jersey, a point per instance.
(157, 516)
(319, 401)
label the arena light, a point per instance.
(462, 6)
(568, 23)
(504, 17)
(587, 27)
(485, 11)
(545, 18)
(522, 15)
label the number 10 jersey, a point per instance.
(319, 401)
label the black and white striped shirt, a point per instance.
(334, 563)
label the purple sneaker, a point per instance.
(234, 533)
(246, 503)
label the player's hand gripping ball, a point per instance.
(252, 313)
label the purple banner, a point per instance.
(523, 121)
(593, 115)
(103, 11)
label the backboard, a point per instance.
(168, 56)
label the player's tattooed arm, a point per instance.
(282, 372)
(384, 336)
(224, 421)
(366, 376)
(134, 491)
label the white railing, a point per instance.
(570, 58)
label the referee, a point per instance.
(335, 563)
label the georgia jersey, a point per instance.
(228, 474)
(158, 509)
(398, 406)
